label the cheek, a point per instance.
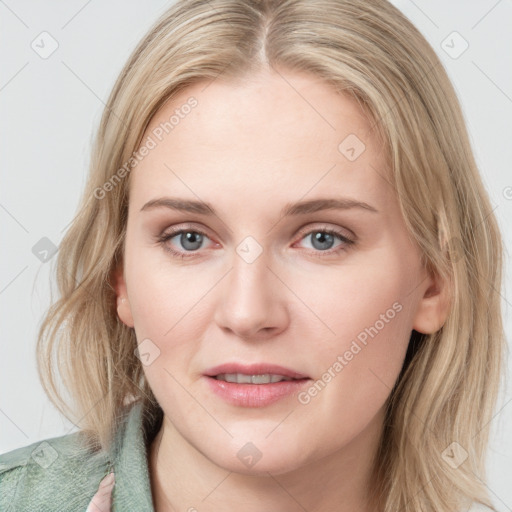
(165, 308)
(347, 300)
(365, 317)
(162, 305)
(358, 367)
(161, 293)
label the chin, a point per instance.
(259, 459)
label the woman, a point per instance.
(248, 151)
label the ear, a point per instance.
(433, 308)
(124, 311)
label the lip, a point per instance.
(254, 369)
(254, 395)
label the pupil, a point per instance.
(190, 237)
(322, 239)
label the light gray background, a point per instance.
(50, 107)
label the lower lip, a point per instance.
(255, 395)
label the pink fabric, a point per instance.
(102, 500)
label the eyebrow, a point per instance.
(298, 208)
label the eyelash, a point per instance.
(166, 236)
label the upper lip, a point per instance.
(254, 369)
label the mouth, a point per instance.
(255, 385)
(258, 370)
(242, 378)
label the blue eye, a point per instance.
(191, 241)
(323, 240)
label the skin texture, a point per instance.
(250, 147)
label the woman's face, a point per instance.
(294, 261)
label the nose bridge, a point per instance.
(251, 302)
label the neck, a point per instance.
(182, 478)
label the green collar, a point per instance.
(62, 473)
(129, 457)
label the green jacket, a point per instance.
(61, 474)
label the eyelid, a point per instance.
(329, 228)
(347, 241)
(168, 233)
(302, 232)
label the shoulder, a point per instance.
(64, 473)
(59, 473)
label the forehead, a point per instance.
(267, 134)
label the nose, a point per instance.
(252, 303)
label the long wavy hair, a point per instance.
(448, 387)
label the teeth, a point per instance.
(240, 378)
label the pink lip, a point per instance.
(254, 395)
(254, 369)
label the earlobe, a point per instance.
(434, 306)
(124, 311)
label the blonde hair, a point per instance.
(448, 387)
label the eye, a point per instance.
(186, 240)
(323, 239)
